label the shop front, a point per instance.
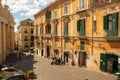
(109, 62)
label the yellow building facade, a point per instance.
(6, 32)
(81, 32)
(26, 35)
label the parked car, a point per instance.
(9, 69)
(2, 66)
(16, 76)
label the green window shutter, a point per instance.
(105, 21)
(55, 29)
(82, 27)
(78, 25)
(49, 29)
(65, 28)
(119, 64)
(115, 24)
(103, 64)
(81, 45)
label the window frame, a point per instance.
(84, 4)
(65, 7)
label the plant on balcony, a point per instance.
(30, 74)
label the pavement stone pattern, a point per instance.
(46, 71)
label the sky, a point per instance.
(23, 9)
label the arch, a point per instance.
(48, 28)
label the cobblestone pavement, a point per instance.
(45, 71)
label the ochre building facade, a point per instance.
(25, 35)
(81, 32)
(6, 32)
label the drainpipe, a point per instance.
(61, 28)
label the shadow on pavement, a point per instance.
(25, 63)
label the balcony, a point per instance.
(32, 31)
(25, 31)
(36, 37)
(47, 35)
(97, 3)
(25, 39)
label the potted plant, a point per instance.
(30, 74)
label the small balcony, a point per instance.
(47, 35)
(25, 39)
(32, 31)
(97, 3)
(36, 37)
(25, 32)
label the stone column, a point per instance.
(44, 49)
(7, 40)
(4, 42)
(0, 43)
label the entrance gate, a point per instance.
(109, 63)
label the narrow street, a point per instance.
(46, 71)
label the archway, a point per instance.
(48, 28)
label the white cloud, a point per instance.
(32, 12)
(22, 14)
(30, 7)
(16, 20)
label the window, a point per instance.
(81, 27)
(65, 45)
(65, 7)
(41, 31)
(32, 38)
(111, 24)
(25, 38)
(49, 29)
(94, 24)
(82, 4)
(32, 44)
(26, 44)
(55, 12)
(25, 30)
(32, 31)
(81, 45)
(48, 15)
(55, 29)
(65, 28)
(36, 31)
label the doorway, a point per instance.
(109, 62)
(82, 57)
(65, 57)
(112, 63)
(48, 51)
(42, 52)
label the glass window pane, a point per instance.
(110, 25)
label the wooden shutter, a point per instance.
(78, 25)
(82, 27)
(105, 21)
(103, 65)
(55, 29)
(119, 64)
(81, 45)
(65, 28)
(115, 24)
(49, 29)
